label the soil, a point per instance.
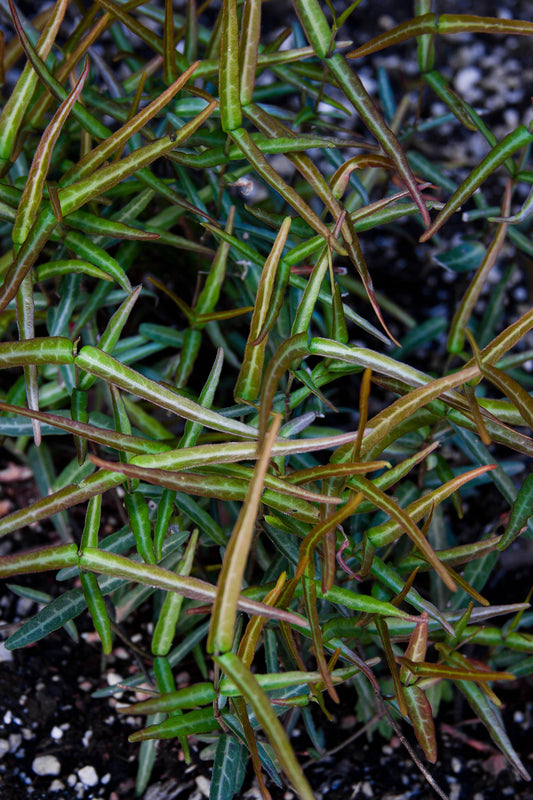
(46, 705)
(46, 709)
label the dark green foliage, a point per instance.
(194, 345)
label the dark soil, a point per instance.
(46, 709)
(46, 703)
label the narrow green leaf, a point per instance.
(20, 97)
(229, 77)
(102, 365)
(445, 24)
(315, 26)
(33, 190)
(69, 266)
(97, 609)
(463, 257)
(195, 722)
(165, 629)
(421, 716)
(140, 524)
(256, 697)
(292, 349)
(521, 512)
(516, 140)
(249, 379)
(46, 350)
(235, 558)
(164, 513)
(249, 47)
(92, 523)
(366, 108)
(228, 768)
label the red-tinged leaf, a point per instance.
(20, 97)
(421, 716)
(491, 718)
(251, 372)
(366, 108)
(402, 518)
(333, 471)
(96, 157)
(33, 190)
(292, 349)
(426, 669)
(310, 602)
(519, 138)
(382, 629)
(445, 24)
(224, 612)
(417, 647)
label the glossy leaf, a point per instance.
(21, 96)
(514, 141)
(46, 350)
(258, 700)
(521, 511)
(444, 24)
(97, 363)
(236, 555)
(165, 628)
(249, 379)
(421, 716)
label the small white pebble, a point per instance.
(87, 736)
(113, 678)
(466, 81)
(8, 716)
(105, 778)
(88, 776)
(56, 786)
(46, 765)
(15, 740)
(27, 734)
(72, 779)
(4, 747)
(454, 791)
(56, 733)
(203, 785)
(518, 717)
(367, 790)
(456, 765)
(5, 654)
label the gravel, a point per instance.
(55, 740)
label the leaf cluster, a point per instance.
(289, 509)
